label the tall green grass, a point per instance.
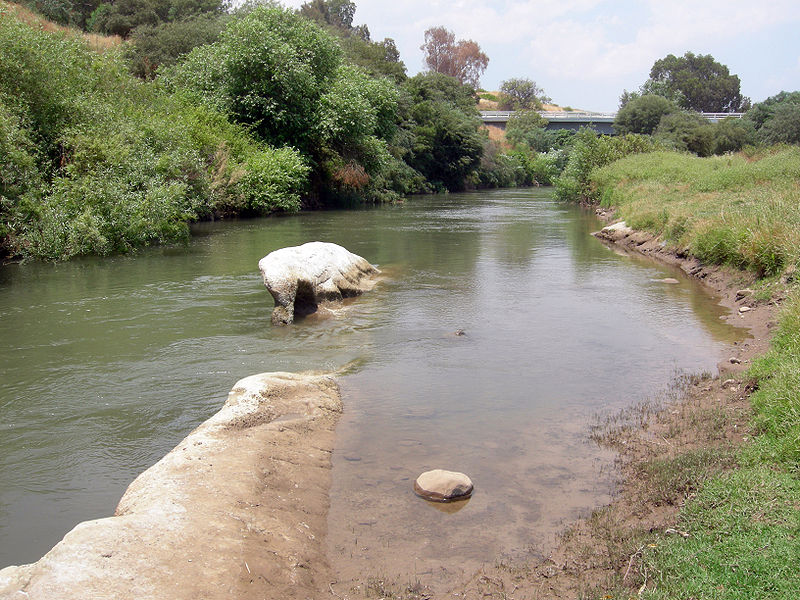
(742, 210)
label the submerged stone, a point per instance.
(443, 486)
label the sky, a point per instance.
(584, 53)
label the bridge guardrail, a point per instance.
(504, 115)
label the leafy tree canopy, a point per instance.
(463, 60)
(687, 131)
(526, 127)
(732, 134)
(379, 59)
(121, 17)
(696, 82)
(642, 114)
(269, 70)
(783, 126)
(164, 44)
(446, 145)
(764, 111)
(521, 94)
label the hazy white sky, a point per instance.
(585, 52)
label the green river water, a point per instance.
(106, 364)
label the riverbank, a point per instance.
(237, 510)
(668, 449)
(709, 495)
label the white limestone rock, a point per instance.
(443, 486)
(302, 277)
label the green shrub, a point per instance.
(590, 152)
(152, 46)
(643, 114)
(100, 162)
(687, 131)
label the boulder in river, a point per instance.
(443, 486)
(302, 277)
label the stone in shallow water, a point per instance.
(443, 486)
(300, 278)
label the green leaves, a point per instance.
(696, 82)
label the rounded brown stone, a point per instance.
(443, 486)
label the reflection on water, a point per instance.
(106, 364)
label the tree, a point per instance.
(642, 114)
(687, 131)
(783, 126)
(732, 134)
(446, 145)
(526, 127)
(338, 13)
(463, 60)
(121, 17)
(268, 71)
(521, 94)
(763, 112)
(696, 82)
(165, 43)
(379, 59)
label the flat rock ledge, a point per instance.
(443, 486)
(237, 510)
(300, 278)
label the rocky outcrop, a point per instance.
(300, 278)
(237, 510)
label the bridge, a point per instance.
(602, 122)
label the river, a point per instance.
(105, 364)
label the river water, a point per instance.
(106, 364)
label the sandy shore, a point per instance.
(237, 510)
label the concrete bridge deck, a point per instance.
(602, 122)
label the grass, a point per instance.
(740, 507)
(739, 210)
(97, 42)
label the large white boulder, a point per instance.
(302, 277)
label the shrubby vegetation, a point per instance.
(264, 108)
(591, 151)
(694, 82)
(96, 161)
(521, 94)
(248, 113)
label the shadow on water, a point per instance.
(106, 364)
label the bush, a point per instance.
(152, 46)
(643, 114)
(784, 125)
(732, 134)
(590, 152)
(687, 131)
(102, 162)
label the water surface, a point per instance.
(105, 364)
